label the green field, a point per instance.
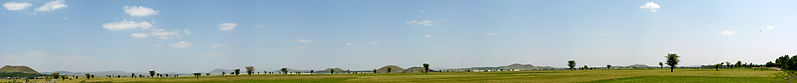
(558, 76)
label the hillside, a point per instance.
(23, 69)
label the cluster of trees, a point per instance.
(20, 74)
(784, 62)
(672, 61)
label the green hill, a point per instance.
(23, 69)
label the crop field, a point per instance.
(556, 76)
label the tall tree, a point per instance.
(56, 75)
(388, 69)
(88, 76)
(728, 64)
(237, 71)
(197, 75)
(571, 64)
(249, 70)
(425, 67)
(608, 66)
(717, 67)
(284, 70)
(672, 60)
(738, 64)
(152, 73)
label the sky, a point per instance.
(202, 35)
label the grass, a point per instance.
(557, 76)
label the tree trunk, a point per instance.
(671, 68)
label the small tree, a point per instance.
(661, 65)
(571, 64)
(311, 71)
(222, 73)
(132, 75)
(88, 76)
(425, 67)
(284, 70)
(249, 70)
(672, 60)
(331, 70)
(152, 73)
(717, 67)
(388, 69)
(56, 75)
(585, 67)
(197, 75)
(738, 64)
(608, 66)
(728, 64)
(237, 71)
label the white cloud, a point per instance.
(728, 33)
(375, 43)
(427, 36)
(653, 7)
(52, 5)
(187, 32)
(490, 34)
(139, 35)
(305, 41)
(349, 44)
(770, 27)
(125, 25)
(218, 45)
(426, 22)
(227, 26)
(165, 35)
(140, 11)
(181, 44)
(14, 6)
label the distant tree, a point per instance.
(331, 70)
(661, 65)
(264, 71)
(92, 76)
(738, 64)
(132, 75)
(585, 67)
(88, 76)
(374, 70)
(249, 70)
(672, 60)
(717, 67)
(388, 69)
(56, 75)
(608, 66)
(284, 70)
(237, 71)
(571, 64)
(425, 67)
(311, 71)
(207, 74)
(152, 73)
(167, 75)
(728, 64)
(197, 75)
(222, 73)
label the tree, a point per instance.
(672, 60)
(717, 67)
(571, 64)
(738, 64)
(608, 66)
(311, 71)
(425, 68)
(374, 70)
(728, 64)
(284, 70)
(661, 65)
(132, 75)
(197, 75)
(56, 75)
(770, 64)
(331, 70)
(88, 76)
(237, 71)
(152, 73)
(388, 69)
(585, 67)
(249, 70)
(222, 73)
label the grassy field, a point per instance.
(559, 76)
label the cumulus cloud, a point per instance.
(227, 26)
(52, 5)
(426, 22)
(216, 45)
(164, 34)
(139, 35)
(140, 11)
(653, 7)
(14, 6)
(181, 44)
(728, 33)
(305, 41)
(490, 34)
(126, 25)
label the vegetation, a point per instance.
(152, 73)
(284, 70)
(237, 71)
(672, 60)
(425, 67)
(249, 70)
(20, 74)
(571, 64)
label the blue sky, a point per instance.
(201, 35)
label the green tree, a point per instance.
(728, 64)
(571, 64)
(56, 75)
(717, 67)
(222, 73)
(152, 73)
(388, 69)
(284, 70)
(249, 70)
(661, 65)
(88, 76)
(132, 75)
(738, 64)
(585, 67)
(672, 60)
(237, 71)
(331, 70)
(425, 67)
(197, 75)
(608, 66)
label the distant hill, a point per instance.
(23, 69)
(414, 70)
(289, 70)
(393, 69)
(226, 71)
(515, 66)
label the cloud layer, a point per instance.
(140, 11)
(126, 25)
(52, 5)
(653, 7)
(15, 6)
